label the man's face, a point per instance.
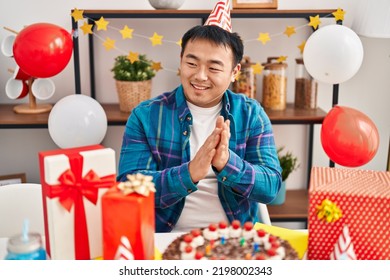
(206, 71)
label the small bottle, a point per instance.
(246, 81)
(28, 247)
(305, 87)
(274, 85)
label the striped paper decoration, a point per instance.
(343, 249)
(124, 251)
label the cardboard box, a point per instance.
(73, 181)
(349, 208)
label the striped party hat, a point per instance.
(220, 16)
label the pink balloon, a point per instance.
(349, 137)
(43, 50)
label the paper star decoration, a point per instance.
(281, 59)
(156, 66)
(257, 68)
(290, 30)
(126, 32)
(87, 28)
(109, 44)
(314, 21)
(133, 57)
(339, 14)
(178, 43)
(264, 38)
(302, 46)
(156, 39)
(102, 24)
(77, 14)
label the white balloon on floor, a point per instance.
(333, 54)
(77, 120)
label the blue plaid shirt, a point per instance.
(156, 143)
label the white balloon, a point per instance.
(333, 54)
(77, 120)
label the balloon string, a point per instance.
(10, 30)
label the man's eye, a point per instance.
(215, 69)
(191, 64)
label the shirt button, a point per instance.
(224, 179)
(189, 191)
(188, 118)
(185, 132)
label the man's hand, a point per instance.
(200, 165)
(221, 156)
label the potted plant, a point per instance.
(133, 81)
(288, 163)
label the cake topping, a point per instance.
(212, 227)
(196, 232)
(261, 233)
(248, 226)
(236, 224)
(188, 238)
(222, 225)
(199, 255)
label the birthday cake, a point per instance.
(229, 242)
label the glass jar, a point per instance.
(25, 248)
(274, 85)
(305, 87)
(246, 80)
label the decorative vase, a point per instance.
(281, 197)
(166, 4)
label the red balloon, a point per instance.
(43, 50)
(349, 137)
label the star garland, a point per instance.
(157, 39)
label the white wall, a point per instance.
(368, 91)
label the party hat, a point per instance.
(220, 16)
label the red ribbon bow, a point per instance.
(71, 191)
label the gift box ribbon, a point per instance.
(71, 191)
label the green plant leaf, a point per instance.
(140, 70)
(288, 163)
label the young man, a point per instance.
(210, 151)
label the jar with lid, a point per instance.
(305, 87)
(28, 247)
(246, 80)
(274, 84)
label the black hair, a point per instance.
(217, 35)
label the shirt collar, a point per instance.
(183, 109)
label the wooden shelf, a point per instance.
(10, 119)
(235, 13)
(294, 209)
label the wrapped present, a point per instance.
(73, 181)
(128, 214)
(349, 214)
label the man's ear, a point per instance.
(236, 71)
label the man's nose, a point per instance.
(201, 74)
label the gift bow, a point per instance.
(137, 183)
(88, 186)
(328, 211)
